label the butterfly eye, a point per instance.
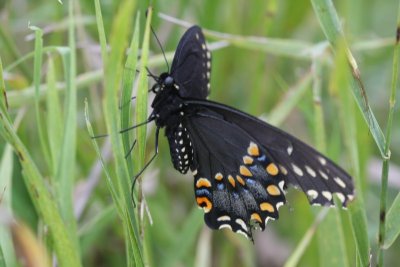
(169, 81)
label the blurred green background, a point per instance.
(283, 86)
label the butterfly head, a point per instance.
(164, 81)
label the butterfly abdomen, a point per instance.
(180, 148)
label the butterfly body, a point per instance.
(241, 165)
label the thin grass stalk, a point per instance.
(386, 159)
(65, 173)
(330, 233)
(141, 110)
(37, 73)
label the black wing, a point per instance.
(306, 168)
(297, 163)
(236, 182)
(191, 66)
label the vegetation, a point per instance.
(324, 71)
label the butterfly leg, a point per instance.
(150, 119)
(132, 98)
(130, 149)
(147, 164)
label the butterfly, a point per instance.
(241, 165)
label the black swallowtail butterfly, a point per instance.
(241, 165)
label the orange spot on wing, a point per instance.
(247, 160)
(273, 190)
(244, 171)
(231, 180)
(203, 182)
(240, 180)
(205, 203)
(255, 216)
(272, 169)
(218, 176)
(265, 206)
(253, 150)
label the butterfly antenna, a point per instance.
(149, 73)
(159, 44)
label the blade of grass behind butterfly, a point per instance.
(96, 227)
(6, 171)
(386, 222)
(67, 254)
(332, 248)
(127, 84)
(298, 252)
(7, 253)
(65, 174)
(346, 113)
(37, 73)
(9, 47)
(330, 24)
(2, 259)
(110, 184)
(141, 107)
(291, 98)
(54, 115)
(113, 74)
(392, 223)
(281, 47)
(3, 94)
(185, 240)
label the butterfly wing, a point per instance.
(301, 165)
(191, 66)
(236, 182)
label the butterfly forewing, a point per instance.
(191, 66)
(300, 165)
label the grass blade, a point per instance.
(6, 172)
(332, 250)
(66, 164)
(385, 165)
(112, 77)
(127, 85)
(65, 249)
(37, 73)
(141, 107)
(280, 112)
(392, 223)
(346, 107)
(109, 181)
(280, 47)
(329, 21)
(54, 115)
(298, 252)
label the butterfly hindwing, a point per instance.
(191, 66)
(300, 165)
(236, 183)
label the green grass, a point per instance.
(324, 71)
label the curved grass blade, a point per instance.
(346, 107)
(65, 249)
(128, 78)
(6, 171)
(281, 47)
(329, 21)
(298, 252)
(112, 78)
